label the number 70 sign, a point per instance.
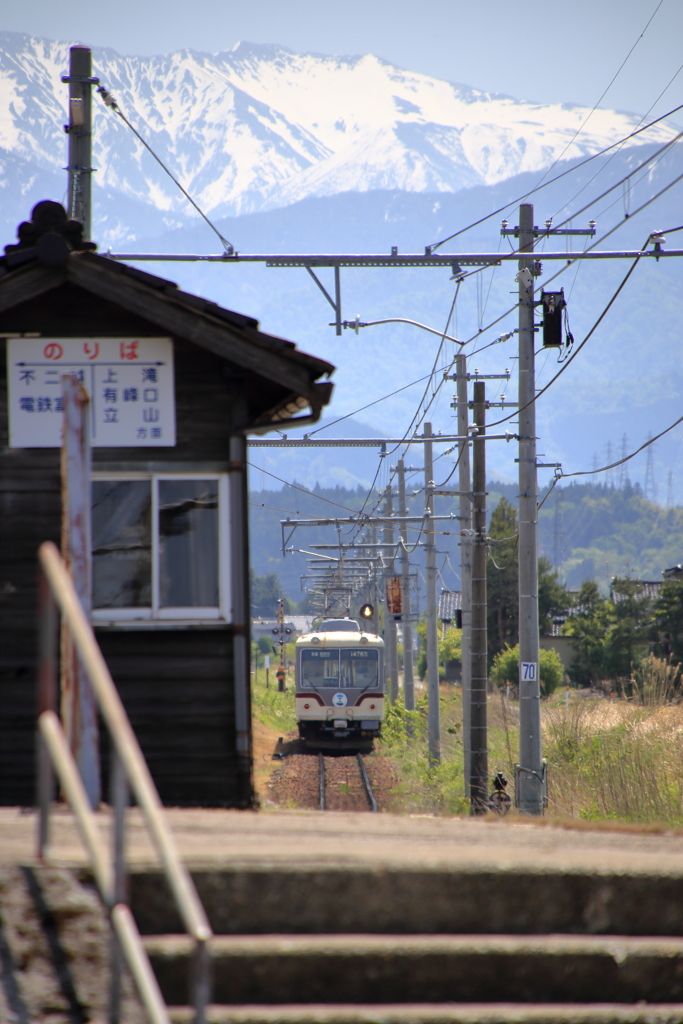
(528, 671)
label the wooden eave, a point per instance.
(228, 335)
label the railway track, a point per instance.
(343, 764)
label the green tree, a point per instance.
(450, 646)
(627, 642)
(553, 597)
(266, 592)
(503, 587)
(502, 575)
(505, 669)
(668, 626)
(589, 627)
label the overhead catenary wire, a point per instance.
(599, 101)
(558, 177)
(621, 145)
(110, 102)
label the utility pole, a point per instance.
(79, 130)
(389, 621)
(408, 676)
(479, 766)
(529, 782)
(464, 486)
(432, 632)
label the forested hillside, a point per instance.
(588, 531)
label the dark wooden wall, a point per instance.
(177, 684)
(177, 687)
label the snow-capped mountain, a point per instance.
(260, 126)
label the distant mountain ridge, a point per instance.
(259, 127)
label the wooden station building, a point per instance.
(175, 385)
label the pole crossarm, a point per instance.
(448, 262)
(366, 442)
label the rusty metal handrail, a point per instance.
(122, 920)
(58, 588)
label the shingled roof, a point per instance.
(45, 276)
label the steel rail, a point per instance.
(366, 782)
(321, 773)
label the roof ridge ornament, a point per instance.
(49, 236)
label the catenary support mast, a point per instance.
(478, 787)
(389, 621)
(408, 676)
(434, 727)
(529, 783)
(465, 509)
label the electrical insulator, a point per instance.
(553, 305)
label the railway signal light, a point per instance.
(366, 611)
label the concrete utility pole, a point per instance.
(389, 621)
(79, 129)
(479, 759)
(465, 487)
(408, 676)
(529, 781)
(432, 630)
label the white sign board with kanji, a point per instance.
(129, 382)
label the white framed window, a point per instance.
(160, 547)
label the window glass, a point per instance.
(359, 668)
(188, 543)
(320, 668)
(122, 544)
(347, 667)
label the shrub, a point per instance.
(505, 669)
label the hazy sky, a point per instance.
(557, 50)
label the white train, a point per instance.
(339, 686)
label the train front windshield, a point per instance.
(348, 667)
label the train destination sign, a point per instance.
(129, 382)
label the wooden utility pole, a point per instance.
(479, 770)
(529, 772)
(465, 487)
(434, 714)
(78, 705)
(79, 129)
(389, 621)
(408, 671)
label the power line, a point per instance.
(613, 80)
(604, 312)
(621, 145)
(558, 177)
(620, 462)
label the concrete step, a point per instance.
(437, 1013)
(394, 900)
(376, 969)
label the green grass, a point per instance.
(615, 760)
(274, 709)
(439, 789)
